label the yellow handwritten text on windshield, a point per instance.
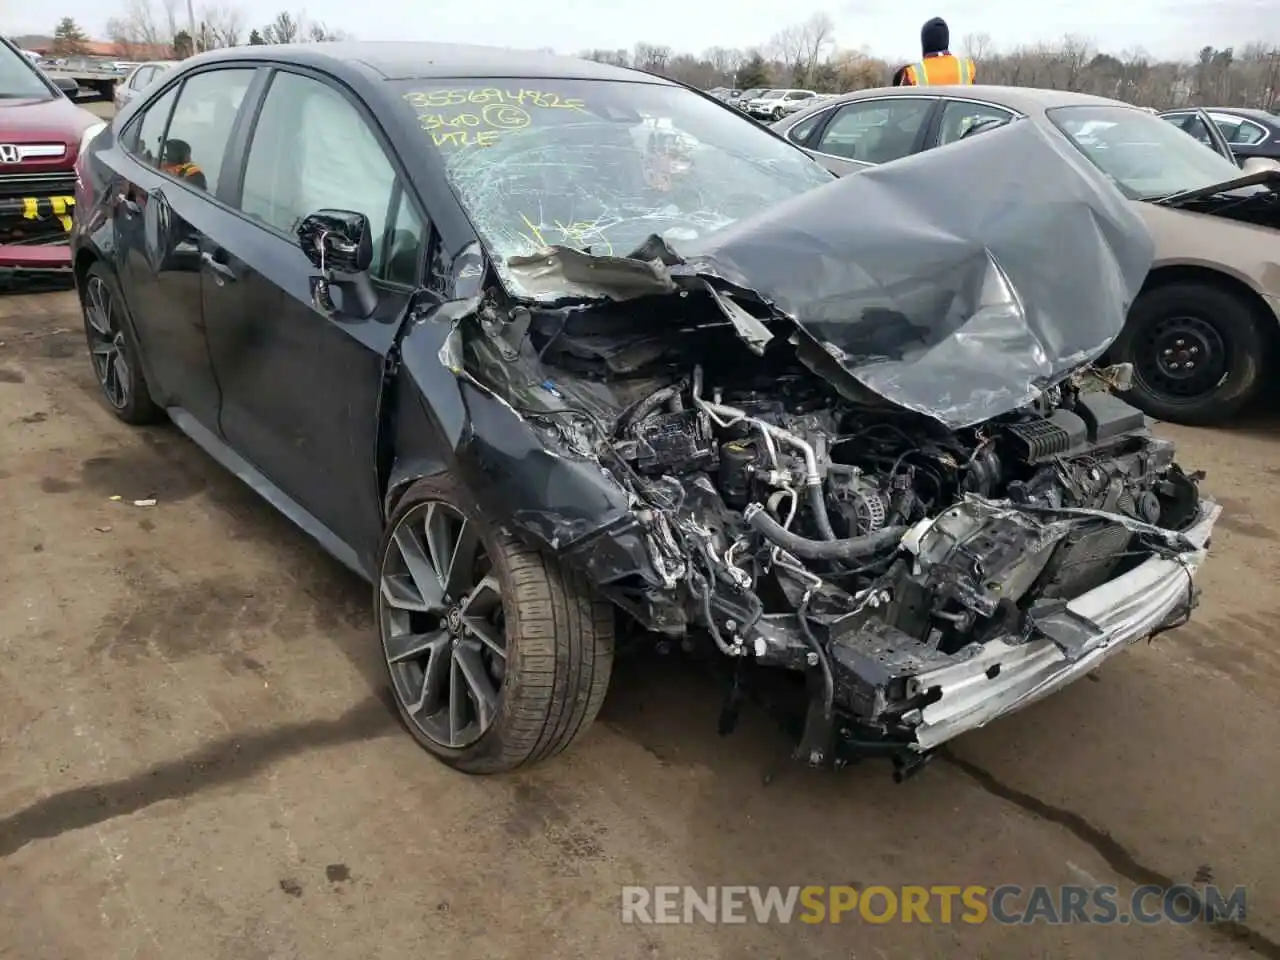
(478, 118)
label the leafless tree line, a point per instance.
(179, 28)
(805, 55)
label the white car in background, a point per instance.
(776, 104)
(143, 75)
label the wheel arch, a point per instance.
(1170, 273)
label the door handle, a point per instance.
(216, 261)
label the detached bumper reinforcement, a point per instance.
(1003, 677)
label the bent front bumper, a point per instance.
(1002, 677)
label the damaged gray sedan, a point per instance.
(651, 369)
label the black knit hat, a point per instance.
(935, 36)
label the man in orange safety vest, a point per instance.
(937, 66)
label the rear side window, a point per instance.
(141, 76)
(201, 126)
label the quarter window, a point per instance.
(804, 129)
(312, 150)
(875, 131)
(958, 117)
(150, 129)
(201, 126)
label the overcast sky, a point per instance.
(887, 27)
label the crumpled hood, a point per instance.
(958, 283)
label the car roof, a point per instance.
(1022, 99)
(403, 60)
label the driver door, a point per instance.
(301, 386)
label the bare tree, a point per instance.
(222, 25)
(652, 58)
(145, 26)
(285, 28)
(976, 46)
(817, 39)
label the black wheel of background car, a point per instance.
(1198, 353)
(497, 656)
(777, 114)
(114, 363)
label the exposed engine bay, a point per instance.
(799, 525)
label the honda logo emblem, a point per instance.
(9, 153)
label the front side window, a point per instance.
(312, 150)
(772, 95)
(201, 126)
(1145, 156)
(875, 131)
(599, 165)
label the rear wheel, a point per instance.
(497, 657)
(115, 363)
(1198, 353)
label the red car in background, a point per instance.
(41, 135)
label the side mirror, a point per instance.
(67, 85)
(340, 246)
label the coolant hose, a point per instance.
(852, 548)
(818, 507)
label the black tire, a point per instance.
(1180, 322)
(133, 404)
(559, 637)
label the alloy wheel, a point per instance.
(442, 626)
(106, 343)
(1181, 357)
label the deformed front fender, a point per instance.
(563, 503)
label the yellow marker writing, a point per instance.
(536, 233)
(59, 205)
(30, 208)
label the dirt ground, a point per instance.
(197, 758)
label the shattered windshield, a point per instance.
(600, 166)
(1147, 157)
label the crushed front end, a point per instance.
(877, 453)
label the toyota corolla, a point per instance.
(540, 347)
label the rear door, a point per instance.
(165, 204)
(301, 387)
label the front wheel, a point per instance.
(1198, 353)
(497, 656)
